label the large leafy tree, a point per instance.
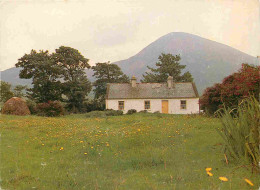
(107, 73)
(233, 89)
(75, 84)
(41, 68)
(168, 65)
(5, 91)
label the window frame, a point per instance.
(149, 104)
(185, 105)
(119, 108)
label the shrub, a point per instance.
(104, 113)
(50, 109)
(111, 112)
(31, 105)
(93, 105)
(131, 111)
(241, 131)
(233, 89)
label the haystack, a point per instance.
(15, 106)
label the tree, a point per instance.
(168, 65)
(19, 91)
(41, 68)
(107, 73)
(6, 92)
(232, 90)
(75, 84)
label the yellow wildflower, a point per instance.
(42, 144)
(208, 169)
(138, 129)
(210, 174)
(249, 182)
(223, 178)
(81, 141)
(85, 153)
(61, 148)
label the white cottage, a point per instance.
(169, 97)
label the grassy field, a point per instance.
(140, 151)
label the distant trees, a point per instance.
(168, 65)
(5, 91)
(41, 68)
(56, 74)
(232, 90)
(75, 85)
(106, 73)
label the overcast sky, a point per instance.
(113, 30)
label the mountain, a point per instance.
(208, 61)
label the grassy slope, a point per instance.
(141, 151)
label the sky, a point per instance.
(113, 30)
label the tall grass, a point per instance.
(241, 131)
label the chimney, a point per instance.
(133, 81)
(170, 82)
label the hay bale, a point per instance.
(15, 106)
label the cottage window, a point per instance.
(183, 104)
(121, 105)
(147, 105)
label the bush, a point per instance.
(31, 105)
(131, 111)
(104, 113)
(233, 89)
(50, 109)
(111, 112)
(241, 131)
(93, 105)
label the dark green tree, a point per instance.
(168, 65)
(41, 68)
(107, 73)
(76, 85)
(5, 91)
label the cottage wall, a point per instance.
(156, 105)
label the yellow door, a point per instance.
(164, 106)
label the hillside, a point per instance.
(208, 61)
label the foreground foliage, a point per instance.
(241, 132)
(138, 151)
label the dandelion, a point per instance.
(138, 129)
(223, 178)
(85, 153)
(81, 141)
(208, 169)
(42, 144)
(210, 174)
(61, 148)
(249, 182)
(92, 147)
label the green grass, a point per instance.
(139, 151)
